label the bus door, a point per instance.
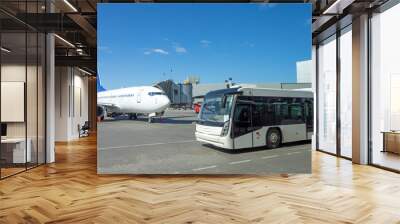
(242, 126)
(259, 114)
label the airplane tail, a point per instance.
(100, 88)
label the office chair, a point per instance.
(84, 130)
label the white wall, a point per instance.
(33, 125)
(304, 71)
(71, 102)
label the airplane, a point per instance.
(148, 100)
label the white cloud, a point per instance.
(105, 49)
(205, 43)
(266, 5)
(160, 51)
(157, 51)
(179, 49)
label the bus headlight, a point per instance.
(225, 129)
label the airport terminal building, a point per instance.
(185, 94)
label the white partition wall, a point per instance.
(22, 101)
(327, 95)
(71, 102)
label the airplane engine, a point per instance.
(101, 113)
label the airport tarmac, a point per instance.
(168, 146)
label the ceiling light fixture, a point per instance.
(5, 50)
(64, 40)
(84, 71)
(70, 5)
(337, 7)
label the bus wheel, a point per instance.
(273, 138)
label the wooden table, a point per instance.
(391, 141)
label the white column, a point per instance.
(50, 99)
(360, 90)
(314, 89)
(50, 92)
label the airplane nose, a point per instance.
(166, 101)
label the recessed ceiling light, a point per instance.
(70, 5)
(84, 71)
(64, 40)
(5, 50)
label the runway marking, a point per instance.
(269, 157)
(149, 144)
(294, 148)
(241, 161)
(204, 168)
(291, 153)
(296, 152)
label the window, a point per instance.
(242, 113)
(346, 92)
(242, 120)
(309, 114)
(259, 114)
(327, 95)
(22, 65)
(296, 113)
(385, 88)
(156, 93)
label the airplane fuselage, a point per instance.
(144, 99)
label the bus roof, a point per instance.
(222, 91)
(307, 93)
(248, 91)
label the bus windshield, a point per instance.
(213, 109)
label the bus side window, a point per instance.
(242, 113)
(309, 114)
(281, 112)
(270, 118)
(296, 113)
(258, 114)
(242, 120)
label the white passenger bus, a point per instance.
(238, 118)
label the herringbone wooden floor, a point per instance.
(70, 191)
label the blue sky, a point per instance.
(140, 44)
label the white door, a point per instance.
(242, 128)
(138, 98)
